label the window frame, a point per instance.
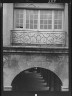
(38, 29)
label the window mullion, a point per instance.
(62, 19)
(33, 21)
(14, 18)
(38, 20)
(19, 18)
(53, 20)
(24, 19)
(29, 21)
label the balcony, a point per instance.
(38, 38)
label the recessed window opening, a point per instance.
(30, 19)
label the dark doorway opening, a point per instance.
(36, 79)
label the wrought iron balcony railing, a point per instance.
(20, 37)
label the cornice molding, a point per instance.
(28, 49)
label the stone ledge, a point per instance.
(64, 88)
(7, 88)
(34, 49)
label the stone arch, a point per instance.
(23, 81)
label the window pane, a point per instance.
(27, 12)
(55, 16)
(21, 11)
(49, 12)
(57, 19)
(33, 14)
(21, 20)
(31, 21)
(55, 26)
(45, 12)
(17, 21)
(59, 27)
(41, 26)
(35, 26)
(17, 25)
(41, 21)
(49, 17)
(31, 17)
(27, 21)
(55, 22)
(45, 26)
(45, 21)
(21, 15)
(21, 25)
(27, 17)
(58, 22)
(27, 26)
(35, 21)
(58, 14)
(49, 21)
(60, 17)
(17, 15)
(31, 26)
(41, 16)
(49, 26)
(45, 16)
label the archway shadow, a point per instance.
(36, 79)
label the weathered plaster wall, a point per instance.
(14, 64)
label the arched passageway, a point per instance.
(36, 79)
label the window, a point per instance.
(38, 19)
(19, 19)
(45, 19)
(31, 19)
(57, 19)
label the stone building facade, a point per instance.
(34, 42)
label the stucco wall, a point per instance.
(14, 64)
(66, 29)
(7, 22)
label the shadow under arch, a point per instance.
(36, 79)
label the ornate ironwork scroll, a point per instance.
(38, 37)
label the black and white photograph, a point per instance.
(36, 47)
